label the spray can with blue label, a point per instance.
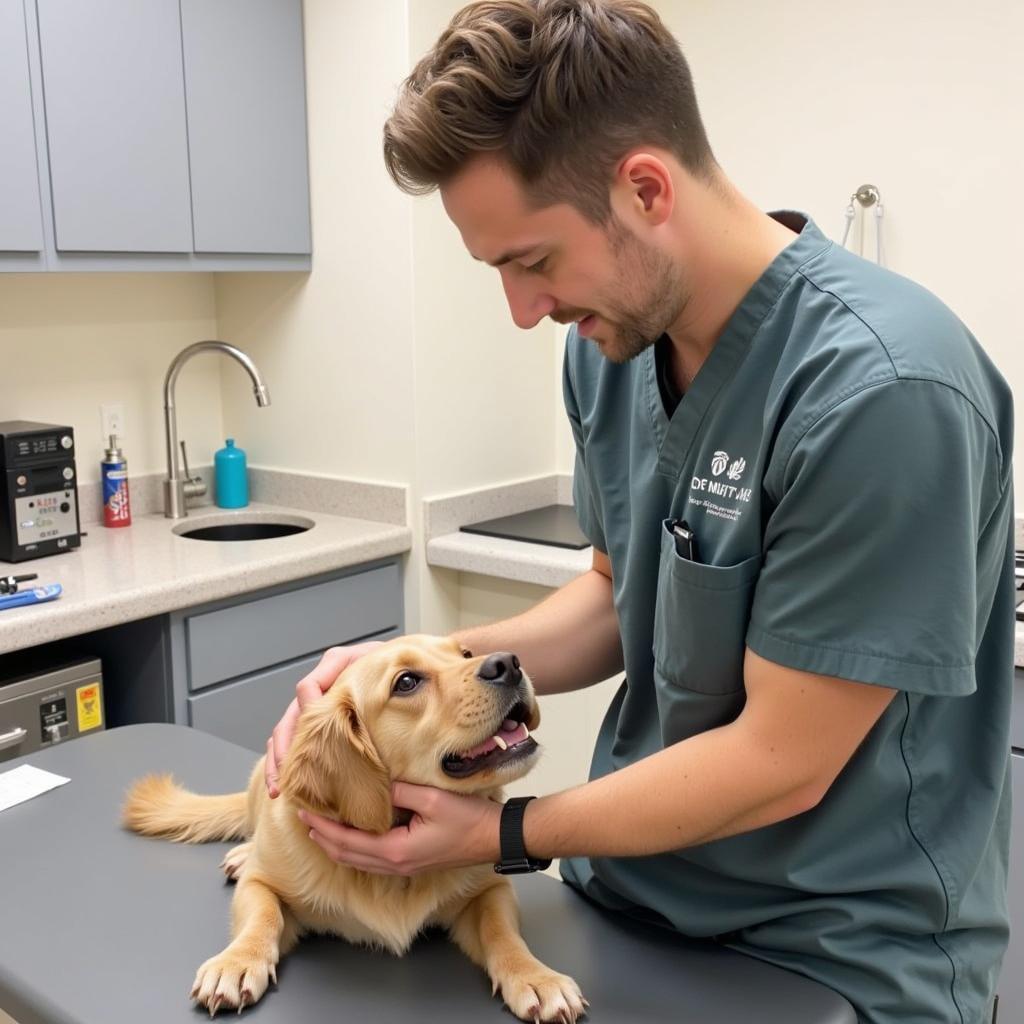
(114, 470)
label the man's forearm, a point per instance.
(795, 735)
(714, 785)
(566, 642)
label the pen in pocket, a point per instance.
(686, 540)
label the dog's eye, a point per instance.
(466, 654)
(407, 682)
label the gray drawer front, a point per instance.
(234, 641)
(245, 712)
(1017, 711)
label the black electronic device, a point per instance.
(38, 490)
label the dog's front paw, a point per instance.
(536, 993)
(234, 860)
(232, 980)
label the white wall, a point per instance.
(336, 345)
(805, 101)
(395, 359)
(69, 342)
(485, 395)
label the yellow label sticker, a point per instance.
(90, 706)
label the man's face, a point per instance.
(624, 293)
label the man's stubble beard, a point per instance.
(656, 296)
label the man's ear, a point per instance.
(333, 768)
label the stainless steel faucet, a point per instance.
(176, 487)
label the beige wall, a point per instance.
(569, 721)
(485, 395)
(395, 359)
(336, 345)
(806, 100)
(69, 342)
(400, 342)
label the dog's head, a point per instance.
(421, 709)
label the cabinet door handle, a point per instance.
(12, 738)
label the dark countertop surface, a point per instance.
(101, 926)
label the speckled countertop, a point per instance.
(448, 548)
(145, 569)
(509, 559)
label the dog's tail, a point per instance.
(157, 806)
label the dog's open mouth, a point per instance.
(511, 742)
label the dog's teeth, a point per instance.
(501, 743)
(526, 732)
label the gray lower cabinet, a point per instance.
(1011, 982)
(21, 226)
(234, 664)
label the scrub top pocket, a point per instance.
(700, 626)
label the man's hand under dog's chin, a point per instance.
(446, 831)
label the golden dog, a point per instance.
(419, 709)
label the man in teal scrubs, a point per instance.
(795, 469)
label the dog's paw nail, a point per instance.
(273, 973)
(215, 1006)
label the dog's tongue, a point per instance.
(510, 734)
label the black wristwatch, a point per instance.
(514, 858)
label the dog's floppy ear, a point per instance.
(333, 768)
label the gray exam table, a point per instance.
(100, 926)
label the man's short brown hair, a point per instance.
(561, 88)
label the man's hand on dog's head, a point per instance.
(308, 689)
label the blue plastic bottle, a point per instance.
(230, 479)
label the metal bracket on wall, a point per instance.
(867, 195)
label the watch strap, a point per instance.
(514, 858)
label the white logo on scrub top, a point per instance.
(706, 493)
(736, 469)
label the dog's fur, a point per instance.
(348, 747)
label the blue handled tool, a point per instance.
(34, 596)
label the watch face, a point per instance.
(521, 867)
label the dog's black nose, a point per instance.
(501, 669)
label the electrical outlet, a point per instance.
(112, 420)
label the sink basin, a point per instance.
(236, 527)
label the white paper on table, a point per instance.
(24, 782)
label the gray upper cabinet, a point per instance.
(115, 124)
(246, 106)
(153, 135)
(21, 226)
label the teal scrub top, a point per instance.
(843, 457)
